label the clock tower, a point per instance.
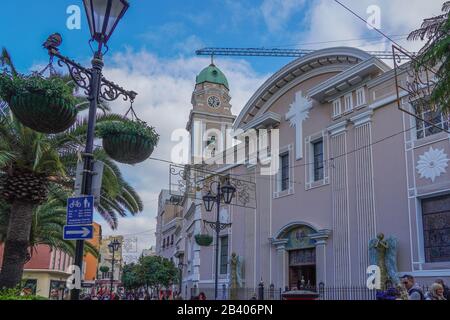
(211, 114)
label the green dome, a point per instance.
(212, 74)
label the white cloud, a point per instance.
(165, 88)
(277, 13)
(189, 45)
(329, 21)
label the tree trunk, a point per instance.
(16, 244)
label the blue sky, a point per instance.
(167, 28)
(174, 28)
(152, 52)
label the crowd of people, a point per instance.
(437, 291)
(201, 296)
(408, 289)
(121, 294)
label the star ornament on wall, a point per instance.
(432, 164)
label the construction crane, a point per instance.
(263, 52)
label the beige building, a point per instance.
(169, 223)
(45, 274)
(104, 278)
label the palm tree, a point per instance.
(32, 162)
(435, 54)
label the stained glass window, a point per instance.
(436, 229)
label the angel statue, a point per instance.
(236, 275)
(383, 253)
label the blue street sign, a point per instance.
(80, 210)
(78, 232)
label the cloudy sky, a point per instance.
(153, 53)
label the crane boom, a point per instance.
(263, 52)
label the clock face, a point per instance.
(214, 102)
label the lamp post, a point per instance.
(113, 247)
(225, 192)
(103, 17)
(180, 268)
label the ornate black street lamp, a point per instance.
(209, 201)
(103, 17)
(226, 192)
(113, 246)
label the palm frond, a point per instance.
(5, 60)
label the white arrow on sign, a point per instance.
(84, 232)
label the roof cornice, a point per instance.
(298, 67)
(347, 78)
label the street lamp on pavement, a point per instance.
(180, 269)
(103, 17)
(113, 246)
(225, 192)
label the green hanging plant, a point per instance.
(204, 240)
(104, 269)
(127, 141)
(44, 105)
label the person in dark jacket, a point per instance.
(414, 291)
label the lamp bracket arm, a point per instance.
(222, 226)
(109, 91)
(79, 74)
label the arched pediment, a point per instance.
(316, 63)
(297, 235)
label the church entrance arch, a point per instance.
(301, 249)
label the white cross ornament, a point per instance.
(299, 112)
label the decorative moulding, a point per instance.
(362, 118)
(338, 128)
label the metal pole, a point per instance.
(112, 272)
(97, 66)
(216, 285)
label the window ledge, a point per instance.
(429, 139)
(336, 117)
(317, 184)
(282, 194)
(347, 112)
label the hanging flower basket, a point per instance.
(44, 105)
(204, 240)
(127, 141)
